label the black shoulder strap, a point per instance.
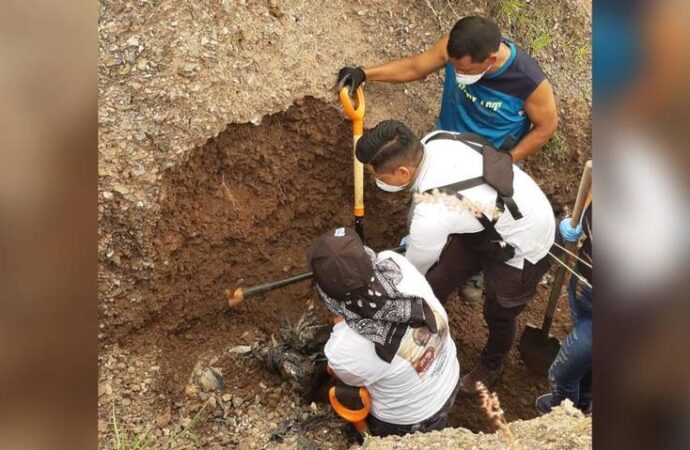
(474, 141)
(512, 206)
(461, 185)
(477, 143)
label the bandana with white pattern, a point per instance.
(381, 313)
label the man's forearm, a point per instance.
(398, 71)
(531, 143)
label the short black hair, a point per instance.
(388, 145)
(474, 36)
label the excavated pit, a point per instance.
(242, 210)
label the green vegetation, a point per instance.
(582, 53)
(557, 147)
(529, 25)
(540, 42)
(124, 440)
(511, 11)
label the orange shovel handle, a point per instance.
(355, 417)
(355, 113)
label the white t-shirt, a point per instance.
(423, 373)
(447, 161)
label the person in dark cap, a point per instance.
(378, 302)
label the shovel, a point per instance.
(537, 347)
(356, 115)
(237, 296)
(352, 403)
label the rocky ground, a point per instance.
(222, 152)
(564, 429)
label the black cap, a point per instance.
(340, 263)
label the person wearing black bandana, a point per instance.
(390, 335)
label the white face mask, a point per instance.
(389, 187)
(463, 78)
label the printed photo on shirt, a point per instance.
(423, 349)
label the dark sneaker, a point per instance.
(543, 404)
(586, 408)
(481, 373)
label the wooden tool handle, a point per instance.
(559, 277)
(237, 296)
(358, 181)
(356, 114)
(585, 184)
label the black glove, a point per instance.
(352, 77)
(321, 380)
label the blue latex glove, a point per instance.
(569, 233)
(405, 242)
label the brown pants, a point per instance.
(506, 288)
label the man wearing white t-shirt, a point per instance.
(390, 336)
(460, 225)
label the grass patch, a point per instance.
(124, 440)
(511, 11)
(580, 50)
(540, 42)
(128, 440)
(529, 24)
(557, 147)
(582, 53)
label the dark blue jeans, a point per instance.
(570, 374)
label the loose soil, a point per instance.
(242, 210)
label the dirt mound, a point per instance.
(564, 429)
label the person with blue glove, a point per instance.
(568, 233)
(570, 374)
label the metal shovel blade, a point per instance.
(538, 351)
(538, 348)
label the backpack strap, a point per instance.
(508, 144)
(461, 185)
(477, 143)
(506, 250)
(511, 205)
(474, 141)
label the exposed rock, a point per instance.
(164, 419)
